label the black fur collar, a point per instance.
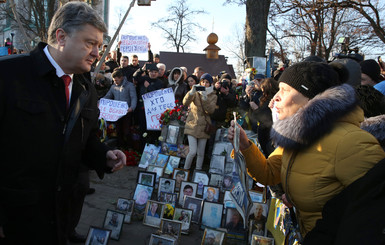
(315, 119)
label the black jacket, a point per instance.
(43, 146)
(223, 103)
(356, 215)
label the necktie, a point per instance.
(67, 81)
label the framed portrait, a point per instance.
(217, 164)
(172, 163)
(187, 189)
(202, 179)
(125, 206)
(227, 183)
(216, 180)
(195, 204)
(161, 160)
(114, 222)
(258, 196)
(141, 195)
(234, 224)
(164, 240)
(149, 155)
(182, 150)
(183, 215)
(256, 240)
(172, 134)
(157, 170)
(171, 228)
(210, 193)
(97, 235)
(146, 178)
(214, 237)
(179, 175)
(256, 228)
(227, 201)
(169, 198)
(258, 214)
(153, 214)
(211, 215)
(166, 185)
(168, 211)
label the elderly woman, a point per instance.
(321, 148)
(202, 103)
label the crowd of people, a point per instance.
(320, 128)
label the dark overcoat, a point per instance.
(43, 146)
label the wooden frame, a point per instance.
(211, 235)
(155, 239)
(171, 228)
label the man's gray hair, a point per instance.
(72, 17)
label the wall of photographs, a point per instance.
(172, 199)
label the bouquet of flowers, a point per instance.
(132, 157)
(178, 113)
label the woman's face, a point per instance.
(191, 81)
(288, 101)
(205, 83)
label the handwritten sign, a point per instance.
(133, 44)
(112, 110)
(155, 103)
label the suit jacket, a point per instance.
(44, 146)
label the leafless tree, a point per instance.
(178, 27)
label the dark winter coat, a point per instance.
(43, 147)
(223, 103)
(180, 88)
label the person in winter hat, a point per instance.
(370, 72)
(176, 82)
(320, 147)
(202, 100)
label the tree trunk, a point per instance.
(256, 27)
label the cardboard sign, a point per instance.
(133, 44)
(112, 110)
(155, 103)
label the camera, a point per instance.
(200, 88)
(225, 84)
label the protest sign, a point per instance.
(155, 103)
(112, 110)
(133, 44)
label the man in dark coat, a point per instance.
(48, 116)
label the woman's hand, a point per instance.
(243, 140)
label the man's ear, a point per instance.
(61, 37)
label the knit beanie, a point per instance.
(354, 70)
(311, 78)
(208, 77)
(372, 69)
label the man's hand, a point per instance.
(1, 232)
(146, 84)
(120, 42)
(248, 90)
(115, 160)
(149, 46)
(243, 140)
(129, 110)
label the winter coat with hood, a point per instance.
(321, 150)
(197, 118)
(179, 87)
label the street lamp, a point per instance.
(12, 34)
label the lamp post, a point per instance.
(12, 34)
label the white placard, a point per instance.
(133, 44)
(112, 110)
(155, 103)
